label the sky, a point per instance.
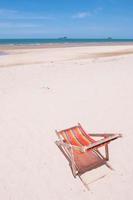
(71, 18)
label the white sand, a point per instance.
(42, 90)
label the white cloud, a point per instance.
(97, 10)
(81, 15)
(85, 14)
(7, 25)
(4, 12)
(17, 15)
(16, 21)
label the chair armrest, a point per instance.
(104, 134)
(102, 141)
(101, 134)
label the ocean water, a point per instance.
(60, 41)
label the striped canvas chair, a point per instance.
(82, 150)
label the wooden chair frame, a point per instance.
(67, 149)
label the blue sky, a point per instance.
(72, 18)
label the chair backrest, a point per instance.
(76, 136)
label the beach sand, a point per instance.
(54, 88)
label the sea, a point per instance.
(63, 41)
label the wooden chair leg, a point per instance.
(84, 183)
(109, 166)
(106, 158)
(106, 152)
(68, 153)
(74, 171)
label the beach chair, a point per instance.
(82, 149)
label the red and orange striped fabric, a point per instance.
(76, 136)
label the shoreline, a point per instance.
(40, 56)
(61, 45)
